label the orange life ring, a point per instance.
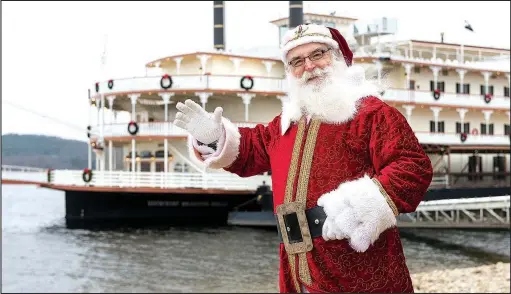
(474, 131)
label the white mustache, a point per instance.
(317, 72)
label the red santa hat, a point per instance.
(313, 33)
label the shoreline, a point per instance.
(493, 278)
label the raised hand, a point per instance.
(204, 126)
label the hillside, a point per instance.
(44, 151)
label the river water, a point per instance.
(40, 255)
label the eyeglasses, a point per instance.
(314, 56)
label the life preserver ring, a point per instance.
(110, 84)
(474, 132)
(97, 87)
(87, 175)
(166, 77)
(463, 137)
(132, 128)
(487, 98)
(436, 94)
(243, 83)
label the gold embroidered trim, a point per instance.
(308, 35)
(289, 189)
(294, 162)
(301, 193)
(292, 261)
(387, 197)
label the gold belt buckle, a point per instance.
(298, 208)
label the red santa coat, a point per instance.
(377, 143)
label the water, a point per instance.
(40, 255)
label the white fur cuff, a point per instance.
(357, 210)
(227, 148)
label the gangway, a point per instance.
(485, 212)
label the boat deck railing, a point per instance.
(126, 179)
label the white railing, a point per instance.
(466, 212)
(189, 82)
(440, 181)
(148, 129)
(24, 173)
(122, 179)
(470, 61)
(462, 100)
(26, 169)
(158, 129)
(455, 139)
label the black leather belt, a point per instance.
(315, 219)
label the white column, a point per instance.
(268, 65)
(408, 70)
(486, 76)
(236, 61)
(462, 73)
(436, 70)
(89, 159)
(89, 164)
(178, 63)
(166, 99)
(379, 67)
(462, 54)
(98, 103)
(110, 157)
(101, 140)
(158, 70)
(408, 109)
(434, 53)
(508, 115)
(203, 96)
(133, 98)
(203, 61)
(111, 99)
(508, 79)
(246, 100)
(487, 115)
(436, 113)
(462, 112)
(411, 48)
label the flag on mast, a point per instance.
(468, 26)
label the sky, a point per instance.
(51, 51)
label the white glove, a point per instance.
(356, 211)
(340, 221)
(204, 126)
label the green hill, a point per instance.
(44, 152)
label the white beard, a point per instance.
(332, 97)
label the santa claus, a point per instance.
(344, 165)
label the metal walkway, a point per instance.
(487, 212)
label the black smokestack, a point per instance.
(295, 14)
(218, 24)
